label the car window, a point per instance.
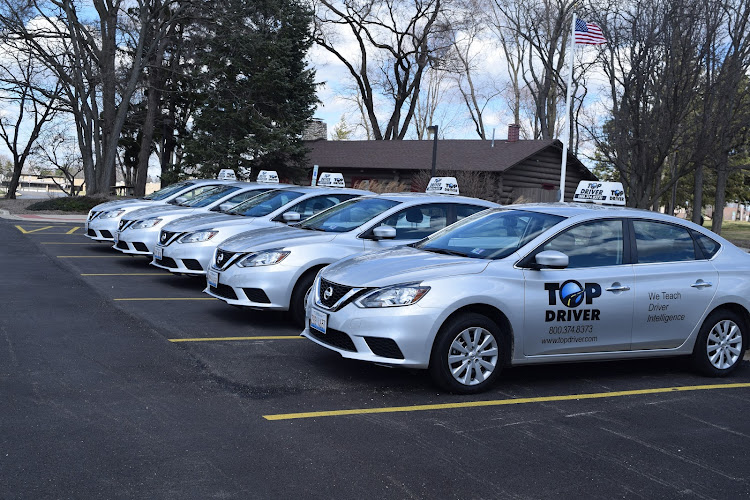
(348, 215)
(239, 198)
(660, 242)
(211, 196)
(265, 203)
(492, 236)
(311, 206)
(708, 246)
(417, 222)
(463, 211)
(196, 192)
(168, 191)
(591, 244)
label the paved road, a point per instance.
(100, 400)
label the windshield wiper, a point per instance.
(445, 251)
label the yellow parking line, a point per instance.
(73, 230)
(24, 231)
(92, 256)
(221, 339)
(126, 274)
(167, 298)
(500, 402)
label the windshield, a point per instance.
(348, 215)
(239, 198)
(205, 199)
(489, 236)
(265, 203)
(167, 191)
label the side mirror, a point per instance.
(552, 259)
(291, 217)
(226, 206)
(180, 200)
(384, 233)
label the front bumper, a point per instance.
(102, 229)
(137, 241)
(184, 258)
(264, 287)
(399, 336)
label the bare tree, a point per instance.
(652, 61)
(724, 108)
(544, 27)
(57, 150)
(394, 40)
(85, 55)
(27, 88)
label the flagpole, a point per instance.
(567, 109)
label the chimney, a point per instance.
(514, 131)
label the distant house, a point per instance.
(521, 170)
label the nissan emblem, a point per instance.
(328, 293)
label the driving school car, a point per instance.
(275, 269)
(138, 231)
(539, 284)
(102, 220)
(187, 245)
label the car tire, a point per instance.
(469, 353)
(299, 296)
(720, 345)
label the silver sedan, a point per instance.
(539, 284)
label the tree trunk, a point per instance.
(698, 194)
(722, 172)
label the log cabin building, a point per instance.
(521, 170)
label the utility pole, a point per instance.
(434, 130)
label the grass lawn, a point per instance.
(735, 231)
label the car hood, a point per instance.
(199, 222)
(151, 211)
(399, 265)
(273, 237)
(111, 205)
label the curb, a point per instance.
(42, 217)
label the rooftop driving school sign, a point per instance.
(268, 177)
(442, 185)
(603, 193)
(328, 179)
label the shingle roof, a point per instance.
(409, 155)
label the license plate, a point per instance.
(117, 237)
(213, 278)
(318, 320)
(158, 252)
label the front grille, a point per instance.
(192, 264)
(91, 232)
(386, 348)
(222, 257)
(334, 338)
(141, 247)
(337, 291)
(166, 262)
(256, 295)
(122, 245)
(225, 291)
(166, 237)
(106, 234)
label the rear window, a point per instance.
(708, 246)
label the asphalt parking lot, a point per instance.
(121, 380)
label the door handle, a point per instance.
(616, 287)
(701, 284)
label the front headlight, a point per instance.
(198, 236)
(112, 214)
(147, 223)
(394, 296)
(266, 258)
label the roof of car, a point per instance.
(576, 209)
(313, 189)
(422, 197)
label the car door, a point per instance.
(588, 306)
(674, 285)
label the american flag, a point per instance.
(588, 33)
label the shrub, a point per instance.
(68, 204)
